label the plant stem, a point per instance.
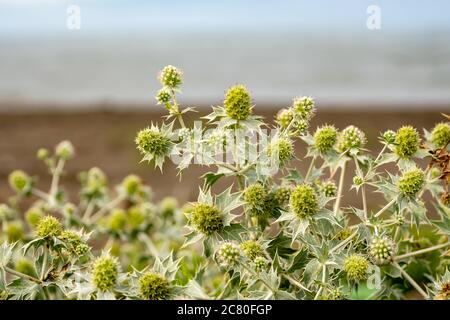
(44, 264)
(107, 207)
(295, 282)
(363, 188)
(385, 208)
(343, 243)
(256, 276)
(55, 180)
(410, 280)
(22, 275)
(310, 168)
(41, 194)
(149, 243)
(177, 109)
(337, 204)
(418, 252)
(324, 277)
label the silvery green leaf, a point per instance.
(194, 289)
(6, 251)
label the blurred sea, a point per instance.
(113, 60)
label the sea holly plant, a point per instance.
(268, 230)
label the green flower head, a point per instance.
(407, 141)
(19, 181)
(228, 254)
(411, 182)
(132, 184)
(238, 103)
(5, 212)
(284, 147)
(440, 136)
(389, 136)
(304, 107)
(70, 236)
(14, 231)
(171, 77)
(117, 220)
(303, 201)
(261, 264)
(284, 117)
(64, 150)
(25, 266)
(301, 125)
(206, 218)
(81, 249)
(281, 196)
(105, 272)
(168, 206)
(42, 154)
(255, 194)
(382, 249)
(153, 286)
(357, 180)
(152, 141)
(351, 138)
(325, 138)
(252, 249)
(136, 217)
(48, 226)
(329, 189)
(34, 215)
(356, 267)
(163, 96)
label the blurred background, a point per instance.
(95, 84)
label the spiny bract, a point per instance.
(303, 201)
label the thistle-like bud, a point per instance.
(184, 133)
(152, 141)
(284, 117)
(255, 194)
(42, 154)
(407, 141)
(228, 254)
(440, 136)
(14, 231)
(153, 286)
(411, 182)
(25, 266)
(304, 107)
(64, 150)
(261, 264)
(168, 207)
(329, 189)
(206, 218)
(163, 96)
(382, 249)
(301, 125)
(117, 220)
(252, 249)
(238, 103)
(33, 216)
(136, 217)
(105, 272)
(48, 226)
(303, 201)
(81, 249)
(325, 138)
(5, 212)
(389, 136)
(356, 267)
(351, 138)
(19, 181)
(357, 180)
(281, 196)
(70, 236)
(131, 184)
(171, 77)
(284, 148)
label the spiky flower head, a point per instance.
(154, 286)
(283, 147)
(301, 125)
(333, 294)
(171, 77)
(94, 183)
(252, 249)
(304, 107)
(205, 218)
(325, 138)
(81, 249)
(284, 117)
(303, 201)
(168, 206)
(5, 212)
(407, 141)
(70, 236)
(282, 195)
(356, 267)
(329, 189)
(34, 215)
(25, 266)
(153, 141)
(105, 272)
(382, 249)
(389, 136)
(42, 154)
(163, 96)
(117, 220)
(14, 231)
(131, 184)
(238, 102)
(255, 194)
(64, 150)
(48, 226)
(261, 264)
(357, 180)
(19, 181)
(440, 136)
(228, 254)
(351, 138)
(411, 182)
(136, 216)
